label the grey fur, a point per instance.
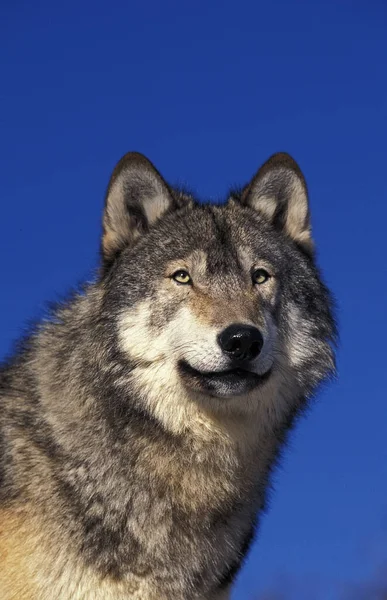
(120, 475)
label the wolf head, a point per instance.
(218, 304)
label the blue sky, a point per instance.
(208, 90)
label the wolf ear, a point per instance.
(137, 196)
(278, 191)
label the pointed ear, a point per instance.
(278, 191)
(136, 198)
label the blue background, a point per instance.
(208, 90)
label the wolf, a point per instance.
(141, 421)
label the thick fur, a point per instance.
(122, 475)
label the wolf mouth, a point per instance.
(232, 381)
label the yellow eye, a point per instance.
(181, 277)
(260, 276)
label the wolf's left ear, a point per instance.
(136, 198)
(278, 191)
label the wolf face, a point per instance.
(217, 303)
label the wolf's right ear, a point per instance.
(136, 198)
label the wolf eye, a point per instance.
(181, 277)
(260, 276)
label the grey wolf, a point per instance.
(140, 423)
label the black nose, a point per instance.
(242, 342)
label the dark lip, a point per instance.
(239, 371)
(237, 377)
